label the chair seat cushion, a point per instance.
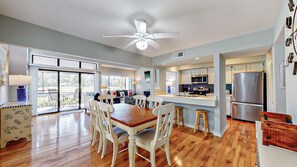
(145, 137)
(122, 135)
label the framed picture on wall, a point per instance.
(147, 76)
(3, 64)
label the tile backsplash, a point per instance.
(186, 87)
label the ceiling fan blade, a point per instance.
(140, 26)
(153, 43)
(132, 43)
(164, 35)
(118, 36)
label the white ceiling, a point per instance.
(198, 21)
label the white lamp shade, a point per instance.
(104, 86)
(19, 80)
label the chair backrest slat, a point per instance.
(93, 114)
(154, 101)
(140, 101)
(166, 115)
(108, 99)
(103, 113)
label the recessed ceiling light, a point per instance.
(197, 58)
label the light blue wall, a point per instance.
(189, 114)
(21, 33)
(250, 41)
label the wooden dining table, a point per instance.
(132, 119)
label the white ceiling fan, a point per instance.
(142, 38)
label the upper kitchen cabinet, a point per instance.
(186, 77)
(210, 76)
(228, 74)
(202, 71)
(239, 68)
(255, 67)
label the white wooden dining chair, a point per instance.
(140, 101)
(151, 139)
(108, 99)
(154, 101)
(94, 125)
(114, 134)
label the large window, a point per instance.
(116, 82)
(54, 61)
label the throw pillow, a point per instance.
(122, 94)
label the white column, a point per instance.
(220, 93)
(97, 82)
(33, 71)
(279, 100)
(98, 79)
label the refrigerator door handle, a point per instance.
(248, 104)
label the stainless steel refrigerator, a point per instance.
(248, 95)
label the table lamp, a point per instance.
(20, 81)
(104, 87)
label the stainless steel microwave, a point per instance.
(196, 79)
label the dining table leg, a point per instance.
(132, 147)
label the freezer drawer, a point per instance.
(247, 112)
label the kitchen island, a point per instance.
(190, 104)
(201, 100)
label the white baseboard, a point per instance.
(201, 128)
(218, 134)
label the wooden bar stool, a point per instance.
(204, 115)
(179, 116)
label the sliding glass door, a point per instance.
(87, 87)
(63, 91)
(47, 92)
(69, 91)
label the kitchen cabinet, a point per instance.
(195, 72)
(210, 75)
(186, 77)
(201, 71)
(239, 68)
(255, 67)
(228, 74)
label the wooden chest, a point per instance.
(15, 122)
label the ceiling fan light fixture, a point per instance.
(141, 45)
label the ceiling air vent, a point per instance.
(177, 55)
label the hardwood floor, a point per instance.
(63, 140)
